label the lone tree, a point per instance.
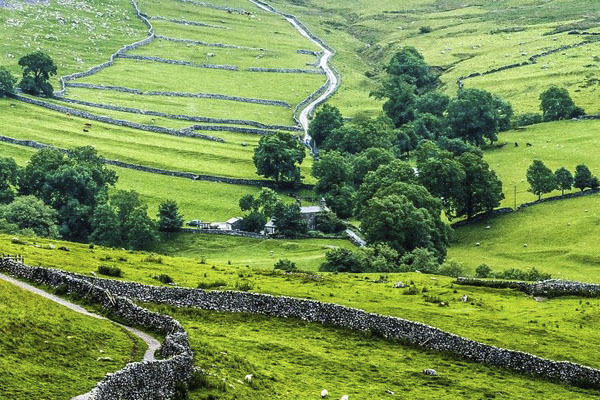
(278, 156)
(584, 178)
(410, 65)
(475, 115)
(7, 82)
(556, 104)
(37, 69)
(541, 179)
(326, 120)
(169, 219)
(564, 179)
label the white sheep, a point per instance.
(324, 393)
(248, 378)
(344, 397)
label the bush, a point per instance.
(421, 260)
(452, 268)
(425, 29)
(211, 285)
(164, 278)
(153, 259)
(520, 275)
(7, 82)
(244, 286)
(528, 119)
(330, 223)
(343, 260)
(285, 265)
(110, 271)
(483, 271)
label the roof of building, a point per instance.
(311, 209)
(233, 220)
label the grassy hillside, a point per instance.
(295, 359)
(554, 328)
(50, 352)
(560, 238)
(464, 38)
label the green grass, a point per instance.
(129, 145)
(554, 329)
(557, 144)
(561, 239)
(296, 359)
(50, 352)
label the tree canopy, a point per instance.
(541, 179)
(38, 67)
(278, 156)
(556, 104)
(325, 121)
(7, 82)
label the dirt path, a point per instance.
(153, 344)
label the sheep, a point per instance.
(248, 378)
(529, 145)
(344, 397)
(324, 393)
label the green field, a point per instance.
(554, 328)
(50, 352)
(295, 359)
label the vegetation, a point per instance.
(278, 156)
(37, 67)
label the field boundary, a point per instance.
(549, 287)
(329, 314)
(154, 379)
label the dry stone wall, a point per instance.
(179, 62)
(547, 288)
(142, 380)
(393, 328)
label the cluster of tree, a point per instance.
(67, 195)
(421, 113)
(37, 67)
(383, 258)
(556, 104)
(532, 274)
(278, 156)
(287, 218)
(542, 180)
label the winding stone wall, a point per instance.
(184, 22)
(287, 70)
(113, 121)
(393, 328)
(180, 116)
(178, 62)
(141, 380)
(548, 288)
(181, 94)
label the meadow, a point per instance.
(50, 352)
(554, 328)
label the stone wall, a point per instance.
(392, 328)
(180, 116)
(287, 70)
(184, 22)
(214, 6)
(178, 62)
(212, 96)
(205, 44)
(114, 121)
(225, 233)
(142, 380)
(547, 288)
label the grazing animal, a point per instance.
(324, 393)
(85, 130)
(516, 144)
(430, 372)
(529, 145)
(344, 397)
(248, 378)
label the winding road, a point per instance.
(324, 63)
(153, 344)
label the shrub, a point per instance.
(211, 285)
(153, 259)
(110, 271)
(421, 260)
(330, 223)
(244, 286)
(164, 278)
(343, 260)
(483, 271)
(7, 82)
(531, 274)
(425, 29)
(528, 119)
(452, 268)
(285, 265)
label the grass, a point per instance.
(51, 352)
(554, 328)
(561, 239)
(557, 144)
(130, 145)
(296, 359)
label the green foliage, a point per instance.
(110, 271)
(361, 134)
(332, 169)
(556, 104)
(531, 274)
(7, 82)
(343, 260)
(564, 179)
(326, 121)
(106, 226)
(483, 271)
(482, 188)
(410, 65)
(140, 231)
(278, 156)
(164, 278)
(452, 268)
(369, 160)
(211, 285)
(584, 178)
(434, 103)
(28, 212)
(253, 222)
(38, 67)
(420, 259)
(9, 175)
(528, 119)
(169, 218)
(541, 179)
(474, 116)
(285, 265)
(341, 200)
(401, 98)
(288, 220)
(329, 223)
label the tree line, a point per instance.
(72, 196)
(542, 180)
